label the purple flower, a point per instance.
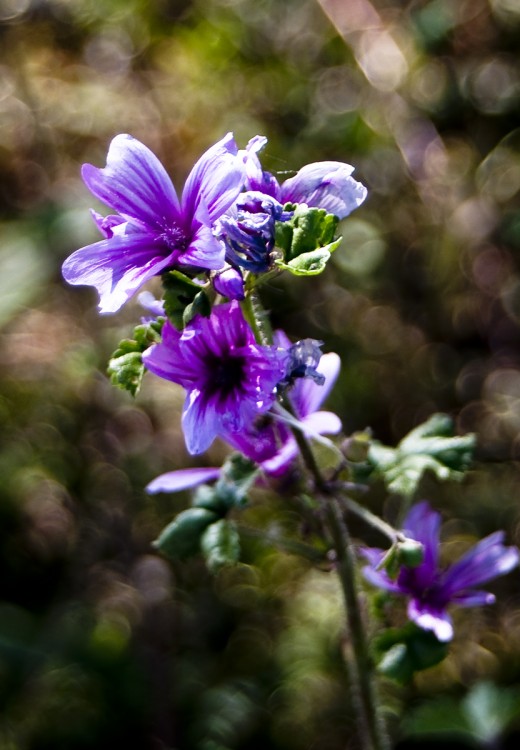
(229, 378)
(153, 229)
(268, 441)
(323, 184)
(431, 589)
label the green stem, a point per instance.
(257, 319)
(288, 545)
(362, 681)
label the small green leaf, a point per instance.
(182, 537)
(125, 367)
(309, 264)
(404, 651)
(220, 545)
(200, 306)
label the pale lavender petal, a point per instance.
(380, 579)
(106, 224)
(436, 621)
(214, 183)
(306, 395)
(326, 184)
(150, 303)
(204, 251)
(183, 479)
(486, 560)
(135, 183)
(279, 464)
(116, 267)
(321, 423)
(200, 424)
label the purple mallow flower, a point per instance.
(153, 229)
(323, 184)
(430, 588)
(229, 378)
(268, 441)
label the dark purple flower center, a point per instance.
(227, 374)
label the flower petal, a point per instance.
(116, 267)
(214, 183)
(322, 423)
(183, 479)
(434, 620)
(135, 183)
(204, 251)
(325, 184)
(423, 524)
(306, 395)
(200, 422)
(486, 560)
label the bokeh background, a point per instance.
(102, 643)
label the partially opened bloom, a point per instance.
(229, 378)
(432, 589)
(323, 184)
(153, 229)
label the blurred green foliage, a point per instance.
(102, 643)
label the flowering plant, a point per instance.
(233, 227)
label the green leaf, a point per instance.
(220, 545)
(404, 651)
(311, 263)
(183, 298)
(125, 367)
(307, 240)
(429, 447)
(182, 537)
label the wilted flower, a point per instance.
(229, 378)
(432, 589)
(153, 229)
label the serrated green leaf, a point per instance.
(182, 537)
(220, 545)
(429, 447)
(125, 367)
(309, 264)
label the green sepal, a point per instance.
(183, 298)
(404, 651)
(429, 447)
(220, 545)
(125, 367)
(182, 537)
(311, 263)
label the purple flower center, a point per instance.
(173, 237)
